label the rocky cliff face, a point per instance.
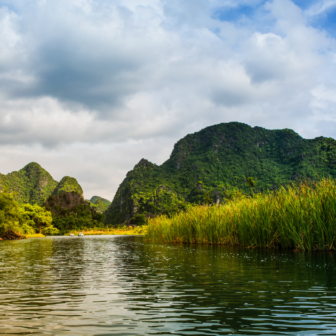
(207, 165)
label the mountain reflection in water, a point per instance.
(110, 285)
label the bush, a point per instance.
(139, 219)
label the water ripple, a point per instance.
(112, 285)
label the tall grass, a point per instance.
(302, 217)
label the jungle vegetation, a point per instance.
(99, 203)
(24, 219)
(71, 212)
(32, 193)
(33, 184)
(215, 164)
(299, 217)
(68, 184)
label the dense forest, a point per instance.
(24, 219)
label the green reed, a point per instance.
(302, 217)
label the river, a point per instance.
(121, 285)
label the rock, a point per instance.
(11, 235)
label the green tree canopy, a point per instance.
(9, 213)
(38, 218)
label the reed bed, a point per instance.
(302, 217)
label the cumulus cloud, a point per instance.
(82, 79)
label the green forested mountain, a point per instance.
(70, 211)
(101, 204)
(94, 199)
(33, 184)
(209, 165)
(64, 199)
(68, 184)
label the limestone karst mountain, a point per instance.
(33, 184)
(209, 165)
(101, 204)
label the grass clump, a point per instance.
(302, 217)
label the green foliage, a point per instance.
(94, 199)
(250, 182)
(68, 184)
(139, 219)
(219, 163)
(38, 218)
(25, 218)
(101, 204)
(32, 184)
(71, 212)
(294, 217)
(9, 214)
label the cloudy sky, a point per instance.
(89, 87)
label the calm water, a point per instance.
(110, 285)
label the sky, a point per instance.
(89, 87)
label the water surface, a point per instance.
(113, 285)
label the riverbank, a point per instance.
(124, 230)
(302, 218)
(36, 235)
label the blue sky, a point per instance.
(89, 87)
(251, 11)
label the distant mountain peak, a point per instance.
(68, 184)
(33, 184)
(94, 199)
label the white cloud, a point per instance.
(320, 7)
(90, 87)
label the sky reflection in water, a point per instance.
(123, 286)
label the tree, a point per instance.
(9, 214)
(207, 198)
(251, 183)
(38, 218)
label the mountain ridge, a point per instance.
(207, 165)
(33, 184)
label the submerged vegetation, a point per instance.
(299, 217)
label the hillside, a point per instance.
(70, 212)
(101, 204)
(68, 184)
(209, 165)
(33, 184)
